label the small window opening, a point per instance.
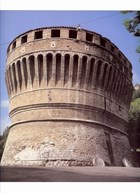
(55, 33)
(103, 42)
(89, 37)
(119, 55)
(14, 45)
(38, 34)
(72, 34)
(112, 48)
(23, 39)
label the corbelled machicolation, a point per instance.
(69, 91)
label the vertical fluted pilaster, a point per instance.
(117, 83)
(87, 76)
(9, 81)
(35, 71)
(18, 65)
(101, 75)
(122, 88)
(12, 80)
(70, 84)
(110, 78)
(127, 95)
(106, 78)
(45, 71)
(130, 93)
(94, 73)
(62, 73)
(99, 68)
(119, 86)
(114, 80)
(30, 74)
(14, 76)
(24, 74)
(17, 78)
(7, 84)
(92, 61)
(10, 88)
(125, 92)
(83, 72)
(79, 72)
(53, 78)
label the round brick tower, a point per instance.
(69, 91)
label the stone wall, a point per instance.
(69, 93)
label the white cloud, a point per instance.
(5, 103)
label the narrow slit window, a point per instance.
(38, 35)
(14, 45)
(119, 55)
(55, 33)
(112, 48)
(73, 34)
(89, 37)
(23, 39)
(103, 42)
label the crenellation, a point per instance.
(72, 87)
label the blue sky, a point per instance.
(106, 23)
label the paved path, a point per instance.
(70, 174)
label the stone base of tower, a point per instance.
(64, 143)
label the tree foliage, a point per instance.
(134, 121)
(133, 24)
(3, 139)
(136, 94)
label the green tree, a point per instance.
(133, 24)
(136, 94)
(134, 123)
(3, 139)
